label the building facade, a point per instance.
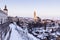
(3, 15)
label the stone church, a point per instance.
(3, 15)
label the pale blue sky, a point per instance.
(44, 8)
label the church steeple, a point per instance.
(35, 16)
(5, 8)
(34, 13)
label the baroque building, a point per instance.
(3, 15)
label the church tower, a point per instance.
(35, 17)
(5, 10)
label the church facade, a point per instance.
(3, 15)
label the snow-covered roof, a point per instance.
(17, 33)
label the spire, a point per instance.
(34, 13)
(5, 8)
(35, 17)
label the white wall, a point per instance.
(3, 17)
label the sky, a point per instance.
(25, 8)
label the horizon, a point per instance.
(25, 8)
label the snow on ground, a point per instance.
(17, 33)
